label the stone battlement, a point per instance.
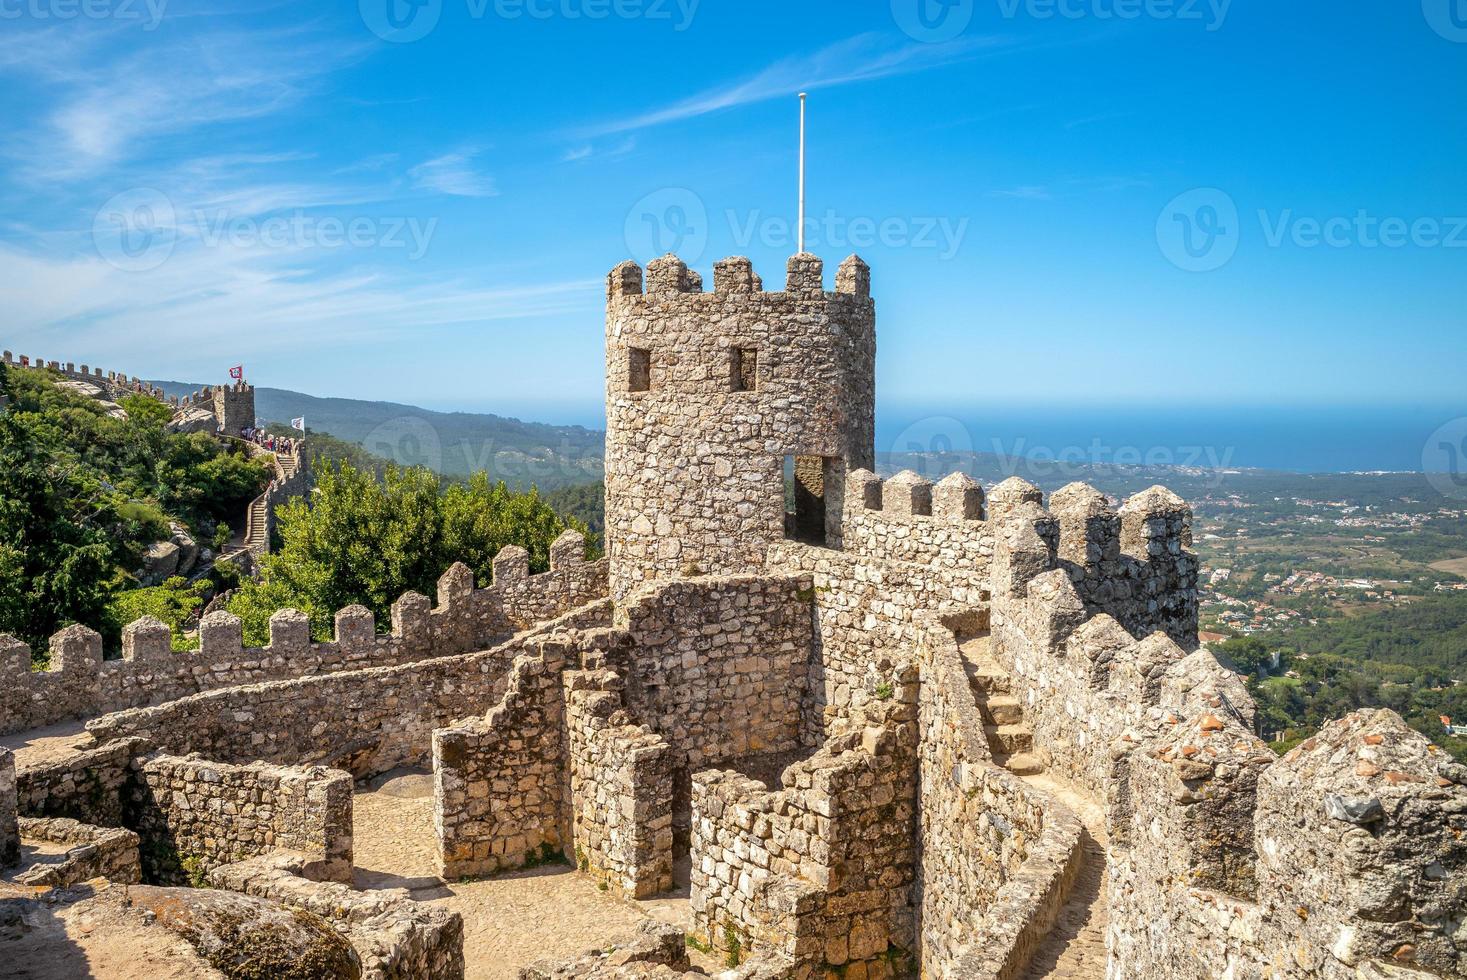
(735, 276)
(80, 684)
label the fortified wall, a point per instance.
(893, 728)
(80, 684)
(232, 405)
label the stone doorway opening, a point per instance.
(809, 482)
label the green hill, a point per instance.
(452, 443)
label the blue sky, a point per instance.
(1064, 202)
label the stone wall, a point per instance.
(997, 856)
(194, 816)
(1344, 859)
(719, 664)
(395, 937)
(85, 785)
(622, 779)
(1084, 678)
(821, 870)
(92, 852)
(499, 794)
(714, 666)
(9, 804)
(908, 519)
(695, 453)
(364, 721)
(80, 684)
(866, 610)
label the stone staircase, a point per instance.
(1010, 740)
(1074, 949)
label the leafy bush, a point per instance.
(174, 603)
(364, 540)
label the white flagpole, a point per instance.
(802, 173)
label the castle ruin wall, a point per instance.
(365, 721)
(92, 852)
(996, 856)
(9, 811)
(195, 815)
(80, 684)
(395, 938)
(499, 794)
(622, 778)
(820, 870)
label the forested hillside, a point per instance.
(84, 493)
(522, 454)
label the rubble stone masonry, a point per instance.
(194, 816)
(80, 684)
(9, 803)
(695, 452)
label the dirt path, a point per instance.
(42, 745)
(1075, 947)
(509, 921)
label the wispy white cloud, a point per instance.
(102, 103)
(862, 58)
(453, 174)
(610, 151)
(208, 298)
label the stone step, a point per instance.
(1022, 763)
(1009, 738)
(988, 679)
(1002, 709)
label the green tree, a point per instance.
(364, 540)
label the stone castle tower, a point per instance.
(712, 399)
(234, 407)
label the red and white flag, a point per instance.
(237, 372)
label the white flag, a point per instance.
(299, 423)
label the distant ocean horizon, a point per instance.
(1301, 439)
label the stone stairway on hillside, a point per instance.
(1010, 740)
(1074, 949)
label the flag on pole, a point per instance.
(299, 423)
(237, 372)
